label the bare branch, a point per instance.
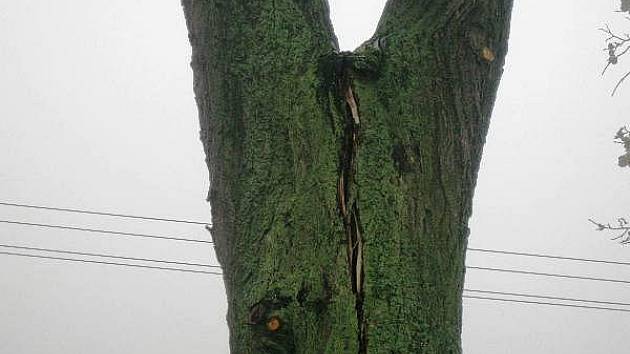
(606, 67)
(617, 45)
(622, 226)
(619, 83)
(623, 52)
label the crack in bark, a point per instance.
(348, 206)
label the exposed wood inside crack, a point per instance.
(352, 103)
(348, 206)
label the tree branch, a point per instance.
(617, 46)
(622, 225)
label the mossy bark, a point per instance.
(341, 183)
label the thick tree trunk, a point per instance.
(341, 183)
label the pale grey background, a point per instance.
(97, 112)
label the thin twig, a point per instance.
(619, 83)
(623, 227)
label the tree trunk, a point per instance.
(342, 183)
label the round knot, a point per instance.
(273, 324)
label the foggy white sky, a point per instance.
(97, 112)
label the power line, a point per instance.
(545, 303)
(107, 256)
(109, 263)
(554, 275)
(484, 250)
(464, 296)
(130, 234)
(538, 255)
(92, 212)
(545, 297)
(103, 231)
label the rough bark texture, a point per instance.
(341, 183)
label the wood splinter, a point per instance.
(352, 103)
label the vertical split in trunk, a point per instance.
(348, 201)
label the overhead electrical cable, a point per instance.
(92, 212)
(108, 263)
(500, 299)
(538, 255)
(545, 303)
(553, 275)
(103, 255)
(121, 215)
(491, 292)
(103, 231)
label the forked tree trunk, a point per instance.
(341, 183)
